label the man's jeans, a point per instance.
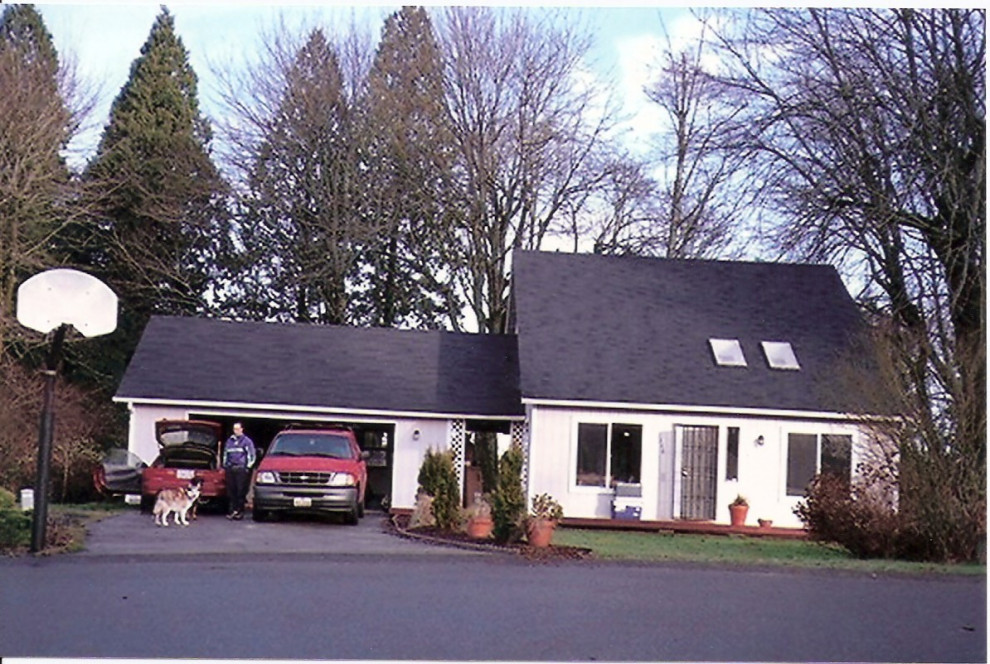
(238, 479)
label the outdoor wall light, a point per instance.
(759, 440)
(416, 434)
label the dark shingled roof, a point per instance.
(636, 330)
(197, 360)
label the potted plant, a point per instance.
(479, 519)
(738, 509)
(543, 518)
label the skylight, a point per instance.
(780, 355)
(728, 352)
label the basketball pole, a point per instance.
(45, 434)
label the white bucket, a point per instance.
(27, 499)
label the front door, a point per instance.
(699, 472)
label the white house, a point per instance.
(696, 380)
(687, 382)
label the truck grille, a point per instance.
(304, 479)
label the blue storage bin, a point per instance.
(627, 513)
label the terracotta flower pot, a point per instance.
(480, 527)
(765, 523)
(737, 514)
(539, 532)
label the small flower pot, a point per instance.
(765, 523)
(539, 532)
(737, 515)
(480, 527)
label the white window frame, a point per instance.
(780, 355)
(819, 436)
(728, 352)
(610, 424)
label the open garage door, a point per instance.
(376, 438)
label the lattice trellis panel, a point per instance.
(520, 436)
(455, 442)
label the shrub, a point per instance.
(943, 516)
(545, 507)
(422, 514)
(15, 524)
(85, 422)
(862, 521)
(438, 479)
(508, 499)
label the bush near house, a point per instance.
(438, 479)
(85, 425)
(834, 512)
(15, 525)
(868, 526)
(508, 498)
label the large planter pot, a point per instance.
(480, 527)
(737, 515)
(539, 532)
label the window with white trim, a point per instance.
(811, 454)
(732, 454)
(727, 352)
(780, 355)
(608, 453)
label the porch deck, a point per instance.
(679, 526)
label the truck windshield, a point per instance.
(311, 444)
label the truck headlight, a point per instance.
(342, 479)
(266, 477)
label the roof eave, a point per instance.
(359, 412)
(711, 410)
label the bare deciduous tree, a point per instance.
(703, 205)
(867, 130)
(526, 124)
(41, 108)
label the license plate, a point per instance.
(302, 502)
(185, 474)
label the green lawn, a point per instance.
(737, 550)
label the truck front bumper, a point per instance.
(274, 497)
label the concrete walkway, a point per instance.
(134, 533)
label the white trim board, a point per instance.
(702, 410)
(234, 405)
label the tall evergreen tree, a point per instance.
(157, 196)
(410, 156)
(35, 124)
(301, 226)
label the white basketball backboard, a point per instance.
(51, 298)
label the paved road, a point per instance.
(463, 607)
(303, 589)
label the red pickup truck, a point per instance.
(312, 470)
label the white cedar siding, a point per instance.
(762, 468)
(141, 428)
(553, 460)
(408, 453)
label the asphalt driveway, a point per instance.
(132, 533)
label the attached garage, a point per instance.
(402, 391)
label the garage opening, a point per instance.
(376, 438)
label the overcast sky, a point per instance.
(104, 39)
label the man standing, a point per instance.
(238, 457)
